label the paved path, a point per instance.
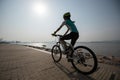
(24, 63)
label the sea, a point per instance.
(100, 48)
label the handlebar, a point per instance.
(57, 35)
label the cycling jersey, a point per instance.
(70, 24)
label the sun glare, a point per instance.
(39, 9)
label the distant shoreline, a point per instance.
(100, 48)
(114, 41)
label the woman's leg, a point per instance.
(66, 37)
(75, 36)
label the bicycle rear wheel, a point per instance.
(84, 60)
(56, 53)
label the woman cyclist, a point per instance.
(74, 34)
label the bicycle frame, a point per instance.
(63, 43)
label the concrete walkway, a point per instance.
(24, 63)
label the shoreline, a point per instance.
(41, 48)
(106, 49)
(111, 60)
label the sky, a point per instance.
(35, 20)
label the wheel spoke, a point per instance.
(56, 53)
(85, 60)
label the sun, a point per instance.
(39, 8)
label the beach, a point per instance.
(18, 62)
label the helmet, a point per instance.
(67, 15)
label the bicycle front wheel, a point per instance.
(84, 60)
(56, 53)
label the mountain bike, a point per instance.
(82, 58)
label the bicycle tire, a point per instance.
(59, 54)
(94, 58)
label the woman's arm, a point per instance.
(66, 31)
(59, 28)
